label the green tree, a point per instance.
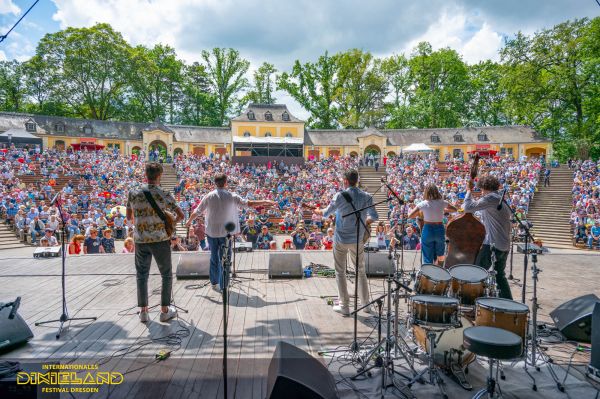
(12, 86)
(441, 87)
(155, 77)
(226, 72)
(487, 97)
(397, 72)
(362, 89)
(314, 86)
(198, 105)
(89, 66)
(264, 85)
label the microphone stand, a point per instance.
(64, 317)
(226, 270)
(354, 347)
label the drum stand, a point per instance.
(432, 369)
(386, 362)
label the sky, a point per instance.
(282, 31)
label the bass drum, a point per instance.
(449, 344)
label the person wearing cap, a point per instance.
(264, 238)
(49, 235)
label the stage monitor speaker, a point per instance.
(285, 265)
(593, 370)
(193, 265)
(379, 264)
(294, 373)
(13, 332)
(14, 387)
(574, 318)
(47, 252)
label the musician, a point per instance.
(345, 238)
(497, 228)
(433, 237)
(151, 240)
(220, 207)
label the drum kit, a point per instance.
(446, 302)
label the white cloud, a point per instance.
(471, 37)
(8, 7)
(2, 56)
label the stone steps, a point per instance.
(8, 239)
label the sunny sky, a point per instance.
(281, 31)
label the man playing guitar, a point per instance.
(345, 237)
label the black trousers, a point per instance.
(161, 251)
(484, 259)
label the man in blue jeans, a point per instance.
(594, 235)
(220, 207)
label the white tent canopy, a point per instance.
(417, 147)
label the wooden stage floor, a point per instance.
(262, 312)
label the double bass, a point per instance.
(465, 233)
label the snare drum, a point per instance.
(432, 279)
(502, 313)
(449, 344)
(468, 283)
(434, 310)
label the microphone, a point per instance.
(54, 199)
(229, 227)
(499, 207)
(15, 307)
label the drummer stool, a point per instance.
(496, 344)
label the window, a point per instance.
(246, 134)
(458, 138)
(504, 151)
(457, 153)
(251, 115)
(435, 138)
(289, 134)
(268, 116)
(285, 116)
(268, 134)
(30, 126)
(59, 128)
(87, 129)
(482, 137)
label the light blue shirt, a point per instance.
(345, 228)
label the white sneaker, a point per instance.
(168, 315)
(144, 317)
(216, 288)
(343, 310)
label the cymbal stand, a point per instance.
(432, 369)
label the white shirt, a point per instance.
(433, 210)
(220, 207)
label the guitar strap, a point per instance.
(154, 205)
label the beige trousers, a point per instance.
(340, 258)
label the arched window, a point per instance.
(251, 116)
(482, 137)
(285, 116)
(458, 138)
(268, 134)
(289, 134)
(435, 138)
(268, 116)
(247, 134)
(59, 128)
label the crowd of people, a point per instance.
(585, 216)
(94, 196)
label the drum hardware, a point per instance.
(432, 369)
(491, 290)
(385, 362)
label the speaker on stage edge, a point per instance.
(293, 373)
(574, 318)
(13, 332)
(379, 264)
(285, 265)
(193, 265)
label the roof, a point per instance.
(20, 133)
(277, 111)
(200, 134)
(405, 137)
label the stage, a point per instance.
(262, 312)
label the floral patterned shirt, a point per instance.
(149, 227)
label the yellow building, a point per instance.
(269, 132)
